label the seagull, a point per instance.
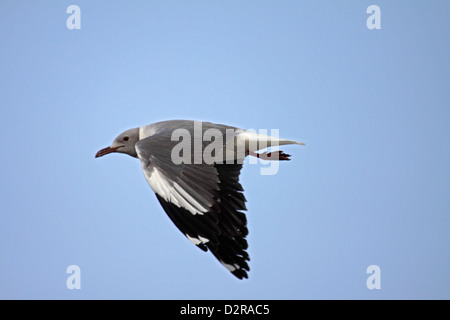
(193, 167)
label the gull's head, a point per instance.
(124, 143)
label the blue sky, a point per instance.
(369, 188)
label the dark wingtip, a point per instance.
(240, 274)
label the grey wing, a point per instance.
(203, 200)
(205, 141)
(189, 186)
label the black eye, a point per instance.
(126, 138)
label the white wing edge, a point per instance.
(172, 192)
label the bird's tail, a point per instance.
(256, 141)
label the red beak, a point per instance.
(104, 151)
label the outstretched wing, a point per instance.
(205, 201)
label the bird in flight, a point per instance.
(193, 167)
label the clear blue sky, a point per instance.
(371, 187)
